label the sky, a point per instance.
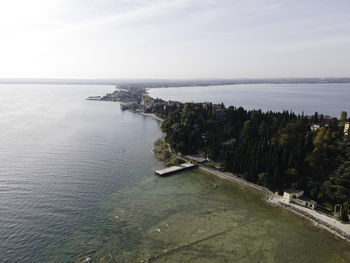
(175, 39)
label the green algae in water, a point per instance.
(182, 219)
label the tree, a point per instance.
(274, 149)
(344, 216)
(247, 131)
(318, 159)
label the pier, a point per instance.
(174, 169)
(94, 98)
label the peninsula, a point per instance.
(277, 153)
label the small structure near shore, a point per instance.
(346, 128)
(296, 196)
(174, 169)
(315, 127)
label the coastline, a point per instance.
(152, 115)
(319, 220)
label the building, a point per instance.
(315, 127)
(306, 202)
(296, 196)
(129, 106)
(346, 128)
(291, 194)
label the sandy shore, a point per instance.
(320, 220)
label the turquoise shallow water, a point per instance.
(76, 180)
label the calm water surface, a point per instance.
(328, 99)
(76, 180)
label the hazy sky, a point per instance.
(174, 38)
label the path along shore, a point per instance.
(319, 220)
(152, 115)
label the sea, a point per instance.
(77, 184)
(323, 98)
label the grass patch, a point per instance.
(163, 153)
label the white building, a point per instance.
(346, 128)
(291, 194)
(315, 127)
(296, 196)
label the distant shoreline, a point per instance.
(172, 83)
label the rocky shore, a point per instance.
(320, 220)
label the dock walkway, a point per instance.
(94, 98)
(173, 169)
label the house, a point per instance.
(291, 194)
(296, 196)
(315, 127)
(346, 128)
(306, 202)
(129, 106)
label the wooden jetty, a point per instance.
(94, 98)
(174, 169)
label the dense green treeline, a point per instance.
(276, 150)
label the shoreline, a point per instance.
(151, 115)
(319, 220)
